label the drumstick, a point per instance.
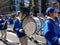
(23, 17)
(4, 24)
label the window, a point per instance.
(26, 3)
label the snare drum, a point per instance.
(31, 25)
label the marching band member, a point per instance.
(19, 30)
(56, 18)
(50, 29)
(3, 28)
(57, 21)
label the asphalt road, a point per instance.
(13, 40)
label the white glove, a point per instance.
(59, 41)
(21, 30)
(59, 25)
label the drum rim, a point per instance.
(35, 22)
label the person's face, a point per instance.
(52, 14)
(56, 14)
(20, 15)
(1, 18)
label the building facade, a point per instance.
(5, 6)
(38, 6)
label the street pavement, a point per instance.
(13, 40)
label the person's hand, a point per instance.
(21, 30)
(59, 41)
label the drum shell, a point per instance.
(31, 25)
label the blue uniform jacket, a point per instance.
(56, 20)
(1, 25)
(17, 27)
(10, 21)
(50, 32)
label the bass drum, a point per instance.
(31, 25)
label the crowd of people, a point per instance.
(51, 27)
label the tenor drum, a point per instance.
(31, 25)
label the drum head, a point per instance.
(29, 25)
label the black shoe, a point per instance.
(36, 41)
(4, 41)
(0, 39)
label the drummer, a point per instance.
(31, 14)
(19, 30)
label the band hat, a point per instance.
(18, 12)
(51, 9)
(56, 10)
